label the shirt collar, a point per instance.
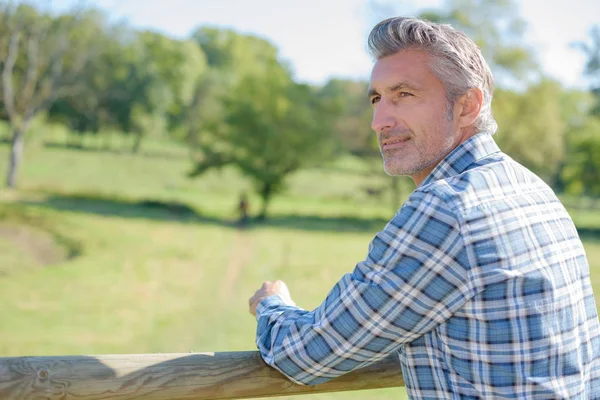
(468, 152)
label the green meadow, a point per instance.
(104, 252)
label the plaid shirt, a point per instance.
(480, 283)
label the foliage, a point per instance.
(272, 128)
(43, 56)
(41, 59)
(592, 68)
(262, 122)
(231, 57)
(531, 130)
(582, 172)
(352, 122)
(141, 83)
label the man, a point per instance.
(480, 282)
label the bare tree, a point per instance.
(41, 58)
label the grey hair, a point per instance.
(456, 59)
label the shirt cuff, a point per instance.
(270, 304)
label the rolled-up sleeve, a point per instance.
(414, 278)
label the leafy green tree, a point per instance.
(140, 84)
(41, 60)
(592, 67)
(531, 126)
(272, 127)
(172, 69)
(105, 99)
(231, 58)
(582, 173)
(352, 121)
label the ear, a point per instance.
(470, 106)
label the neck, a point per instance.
(463, 135)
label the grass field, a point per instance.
(140, 277)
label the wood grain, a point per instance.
(207, 376)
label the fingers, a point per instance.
(267, 289)
(257, 297)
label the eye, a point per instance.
(375, 99)
(404, 94)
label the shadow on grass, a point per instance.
(318, 223)
(182, 213)
(112, 207)
(113, 150)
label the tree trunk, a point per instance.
(107, 140)
(137, 143)
(16, 153)
(265, 193)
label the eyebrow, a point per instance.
(398, 86)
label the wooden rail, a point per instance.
(206, 376)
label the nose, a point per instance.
(383, 117)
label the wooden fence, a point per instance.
(207, 376)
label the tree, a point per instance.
(169, 71)
(41, 59)
(141, 84)
(272, 127)
(592, 67)
(231, 57)
(582, 173)
(353, 117)
(105, 97)
(531, 126)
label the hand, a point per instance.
(269, 289)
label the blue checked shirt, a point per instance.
(480, 284)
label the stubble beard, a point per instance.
(393, 159)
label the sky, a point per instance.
(326, 38)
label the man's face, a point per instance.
(415, 127)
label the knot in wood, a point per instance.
(43, 374)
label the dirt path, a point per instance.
(241, 252)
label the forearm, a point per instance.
(273, 318)
(317, 346)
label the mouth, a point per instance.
(395, 142)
